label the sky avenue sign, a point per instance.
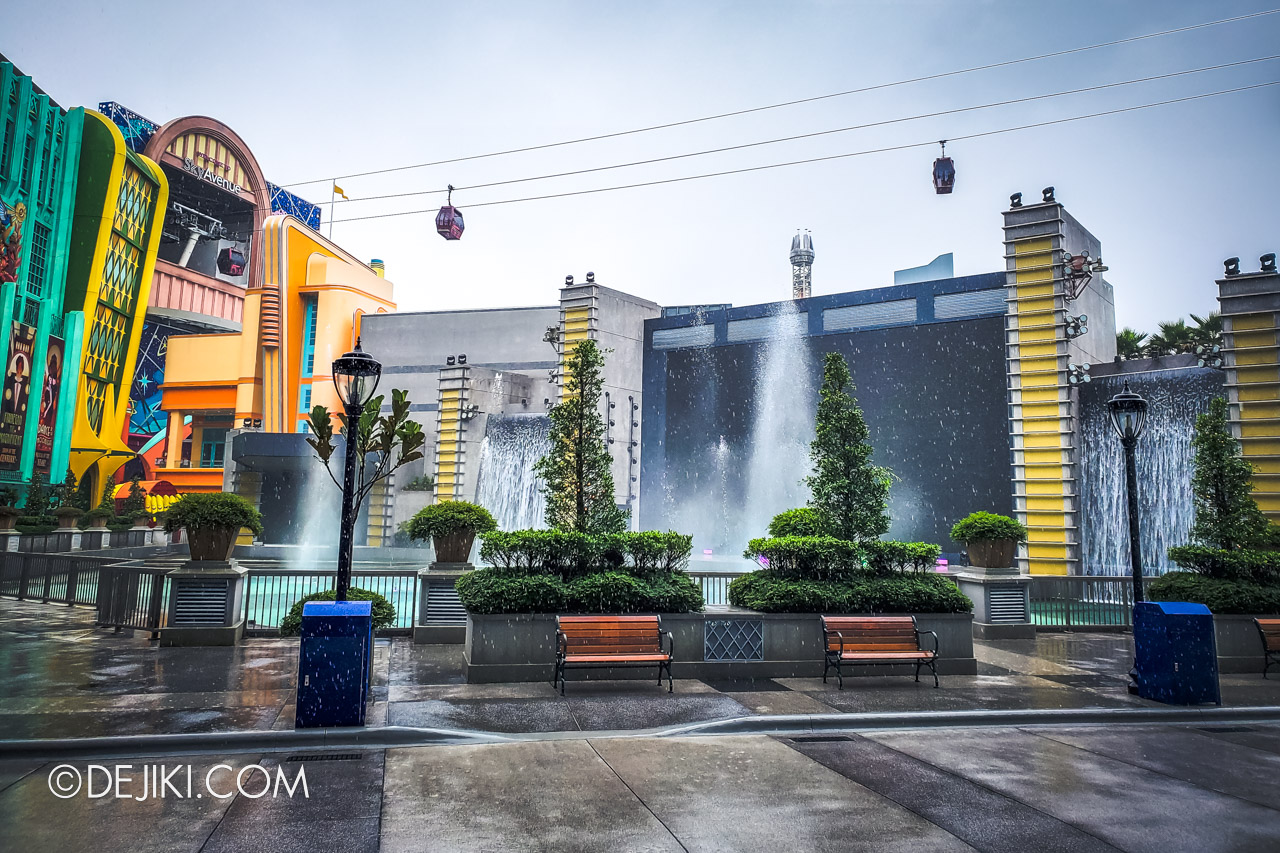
(204, 174)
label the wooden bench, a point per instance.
(1269, 630)
(586, 642)
(870, 640)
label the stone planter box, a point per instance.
(722, 644)
(1239, 647)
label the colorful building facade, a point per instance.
(266, 377)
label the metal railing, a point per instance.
(1083, 603)
(91, 539)
(134, 596)
(51, 578)
(270, 593)
(714, 585)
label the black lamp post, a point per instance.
(1128, 416)
(355, 375)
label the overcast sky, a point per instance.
(323, 88)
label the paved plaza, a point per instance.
(580, 778)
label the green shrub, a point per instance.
(1247, 565)
(384, 615)
(889, 558)
(802, 521)
(218, 509)
(914, 593)
(491, 591)
(567, 555)
(498, 591)
(808, 557)
(987, 526)
(449, 517)
(1220, 595)
(102, 512)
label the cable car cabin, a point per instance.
(944, 175)
(231, 261)
(449, 223)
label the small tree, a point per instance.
(390, 441)
(576, 477)
(65, 494)
(136, 501)
(1227, 516)
(108, 500)
(850, 493)
(39, 500)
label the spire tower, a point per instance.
(801, 265)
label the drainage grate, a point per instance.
(1226, 730)
(821, 739)
(328, 756)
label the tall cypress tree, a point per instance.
(1227, 516)
(576, 477)
(849, 493)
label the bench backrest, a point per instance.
(1270, 629)
(871, 633)
(611, 635)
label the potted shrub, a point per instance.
(991, 540)
(99, 516)
(67, 515)
(212, 522)
(141, 518)
(452, 527)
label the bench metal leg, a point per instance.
(918, 672)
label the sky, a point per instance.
(323, 89)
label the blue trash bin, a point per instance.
(334, 663)
(1175, 654)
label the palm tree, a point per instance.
(1208, 330)
(1173, 337)
(1129, 343)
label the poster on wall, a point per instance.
(11, 219)
(49, 404)
(17, 391)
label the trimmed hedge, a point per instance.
(768, 592)
(384, 614)
(803, 521)
(1218, 594)
(499, 591)
(568, 555)
(828, 558)
(1245, 565)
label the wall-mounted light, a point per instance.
(568, 280)
(1015, 200)
(257, 423)
(1208, 356)
(1268, 262)
(450, 361)
(1232, 265)
(1078, 271)
(462, 358)
(1078, 374)
(1077, 326)
(1047, 193)
(591, 278)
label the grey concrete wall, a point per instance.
(521, 647)
(1097, 301)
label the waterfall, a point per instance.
(507, 485)
(783, 424)
(1164, 462)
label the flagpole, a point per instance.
(333, 195)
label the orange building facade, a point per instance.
(302, 313)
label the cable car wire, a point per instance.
(881, 123)
(886, 149)
(749, 110)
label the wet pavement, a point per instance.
(61, 677)
(1062, 788)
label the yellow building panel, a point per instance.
(1045, 350)
(1043, 456)
(1253, 322)
(1250, 375)
(1261, 409)
(1039, 333)
(1043, 487)
(1045, 394)
(1257, 392)
(1041, 440)
(450, 393)
(1255, 357)
(1045, 503)
(1039, 567)
(1047, 519)
(1268, 503)
(1265, 447)
(1262, 429)
(1259, 338)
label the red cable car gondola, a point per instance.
(944, 172)
(449, 223)
(231, 261)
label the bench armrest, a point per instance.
(560, 644)
(671, 644)
(841, 637)
(919, 634)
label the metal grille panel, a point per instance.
(443, 606)
(733, 639)
(975, 303)
(776, 326)
(703, 335)
(200, 602)
(1006, 602)
(895, 313)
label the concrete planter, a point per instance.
(521, 646)
(1239, 646)
(992, 553)
(454, 547)
(212, 544)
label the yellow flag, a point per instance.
(337, 189)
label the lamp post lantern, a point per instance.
(1129, 415)
(355, 376)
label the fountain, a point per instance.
(1164, 459)
(507, 485)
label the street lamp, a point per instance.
(1128, 416)
(355, 376)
